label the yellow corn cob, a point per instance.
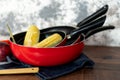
(50, 41)
(32, 36)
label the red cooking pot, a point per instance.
(48, 56)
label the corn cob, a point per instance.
(32, 36)
(50, 41)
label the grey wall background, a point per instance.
(45, 13)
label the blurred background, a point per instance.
(19, 14)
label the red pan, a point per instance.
(49, 56)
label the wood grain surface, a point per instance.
(107, 66)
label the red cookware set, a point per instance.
(68, 49)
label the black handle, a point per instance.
(93, 22)
(93, 16)
(93, 25)
(98, 30)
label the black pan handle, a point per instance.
(93, 22)
(87, 28)
(98, 30)
(93, 16)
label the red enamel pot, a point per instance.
(46, 56)
(49, 56)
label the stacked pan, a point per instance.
(68, 49)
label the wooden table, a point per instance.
(107, 66)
